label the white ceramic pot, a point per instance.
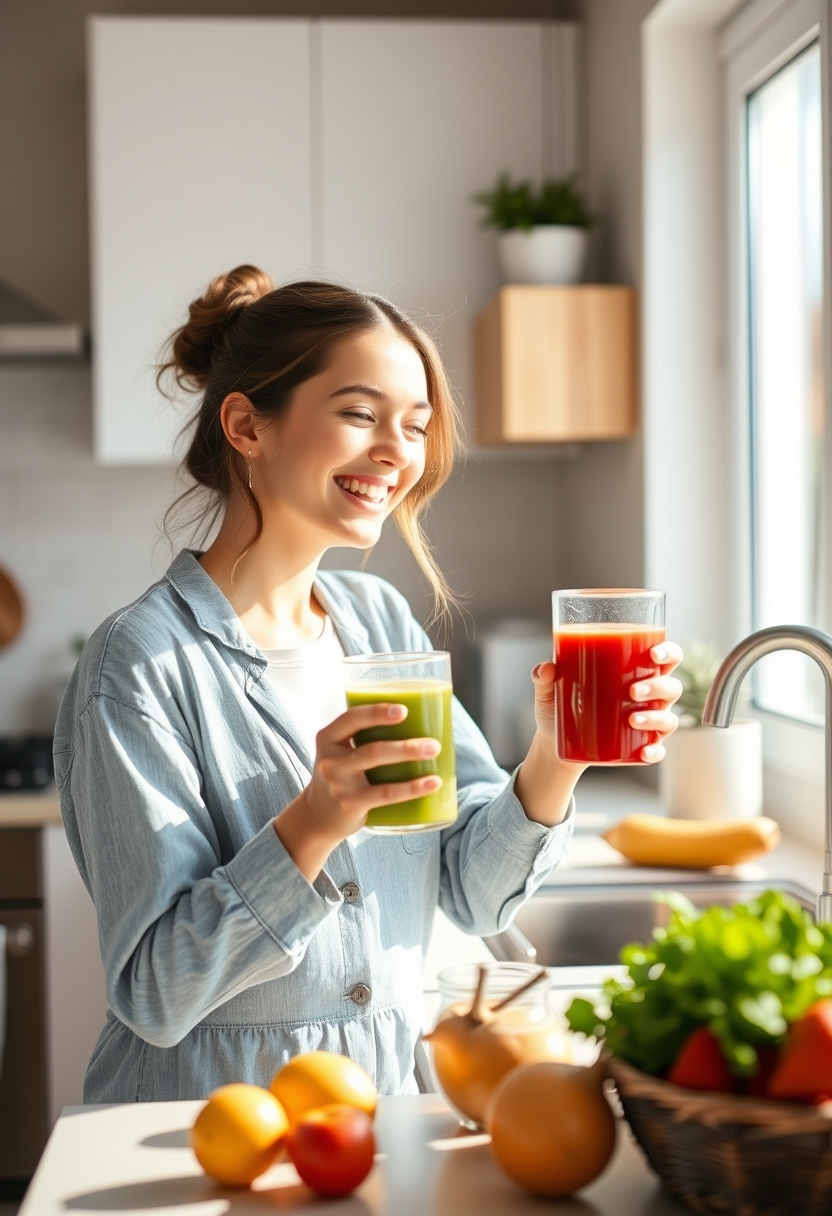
(550, 253)
(713, 774)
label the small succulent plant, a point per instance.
(511, 205)
(696, 671)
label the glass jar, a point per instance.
(469, 1058)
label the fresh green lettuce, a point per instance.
(745, 972)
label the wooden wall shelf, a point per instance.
(556, 364)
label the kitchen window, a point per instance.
(773, 56)
(784, 224)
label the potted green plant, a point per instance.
(709, 773)
(542, 233)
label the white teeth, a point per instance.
(367, 489)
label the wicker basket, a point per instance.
(730, 1154)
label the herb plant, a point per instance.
(745, 972)
(511, 205)
(696, 671)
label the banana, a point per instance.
(692, 844)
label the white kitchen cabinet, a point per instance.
(200, 160)
(342, 149)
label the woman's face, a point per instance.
(351, 444)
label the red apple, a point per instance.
(332, 1148)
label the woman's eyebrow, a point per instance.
(369, 391)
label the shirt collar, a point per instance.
(215, 615)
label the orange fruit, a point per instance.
(320, 1078)
(238, 1133)
(551, 1127)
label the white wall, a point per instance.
(687, 420)
(601, 508)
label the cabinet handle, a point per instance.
(20, 940)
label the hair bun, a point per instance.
(192, 347)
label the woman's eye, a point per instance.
(358, 414)
(418, 430)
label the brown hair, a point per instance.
(244, 336)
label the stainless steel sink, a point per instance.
(578, 926)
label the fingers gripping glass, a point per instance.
(421, 681)
(602, 643)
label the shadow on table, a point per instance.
(191, 1189)
(181, 1138)
(469, 1180)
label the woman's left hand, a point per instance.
(652, 699)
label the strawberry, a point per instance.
(804, 1072)
(701, 1065)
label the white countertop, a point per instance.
(135, 1159)
(605, 797)
(30, 810)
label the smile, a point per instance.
(364, 491)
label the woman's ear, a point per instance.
(237, 421)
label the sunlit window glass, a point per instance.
(785, 296)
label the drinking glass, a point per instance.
(420, 680)
(528, 1031)
(602, 642)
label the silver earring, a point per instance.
(249, 468)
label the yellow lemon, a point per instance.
(238, 1133)
(322, 1077)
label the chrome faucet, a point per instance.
(722, 699)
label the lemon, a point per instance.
(238, 1133)
(320, 1078)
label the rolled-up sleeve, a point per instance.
(179, 932)
(494, 857)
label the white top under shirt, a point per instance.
(309, 681)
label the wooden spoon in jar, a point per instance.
(11, 610)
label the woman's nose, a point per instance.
(391, 451)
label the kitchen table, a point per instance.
(136, 1159)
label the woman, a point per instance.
(212, 796)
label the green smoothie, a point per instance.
(428, 716)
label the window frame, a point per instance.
(754, 45)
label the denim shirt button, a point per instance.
(351, 892)
(361, 994)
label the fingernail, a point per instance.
(431, 747)
(536, 671)
(650, 751)
(638, 719)
(660, 654)
(432, 783)
(641, 692)
(397, 711)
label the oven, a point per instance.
(23, 1076)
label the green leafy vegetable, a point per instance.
(745, 972)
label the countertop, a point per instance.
(135, 1159)
(30, 810)
(604, 797)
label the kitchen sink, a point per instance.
(580, 926)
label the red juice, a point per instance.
(594, 668)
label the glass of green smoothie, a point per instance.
(420, 680)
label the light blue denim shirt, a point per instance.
(173, 755)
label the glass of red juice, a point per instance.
(602, 642)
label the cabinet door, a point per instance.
(417, 116)
(199, 153)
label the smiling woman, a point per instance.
(213, 782)
(248, 347)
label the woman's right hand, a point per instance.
(339, 797)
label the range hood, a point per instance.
(28, 331)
